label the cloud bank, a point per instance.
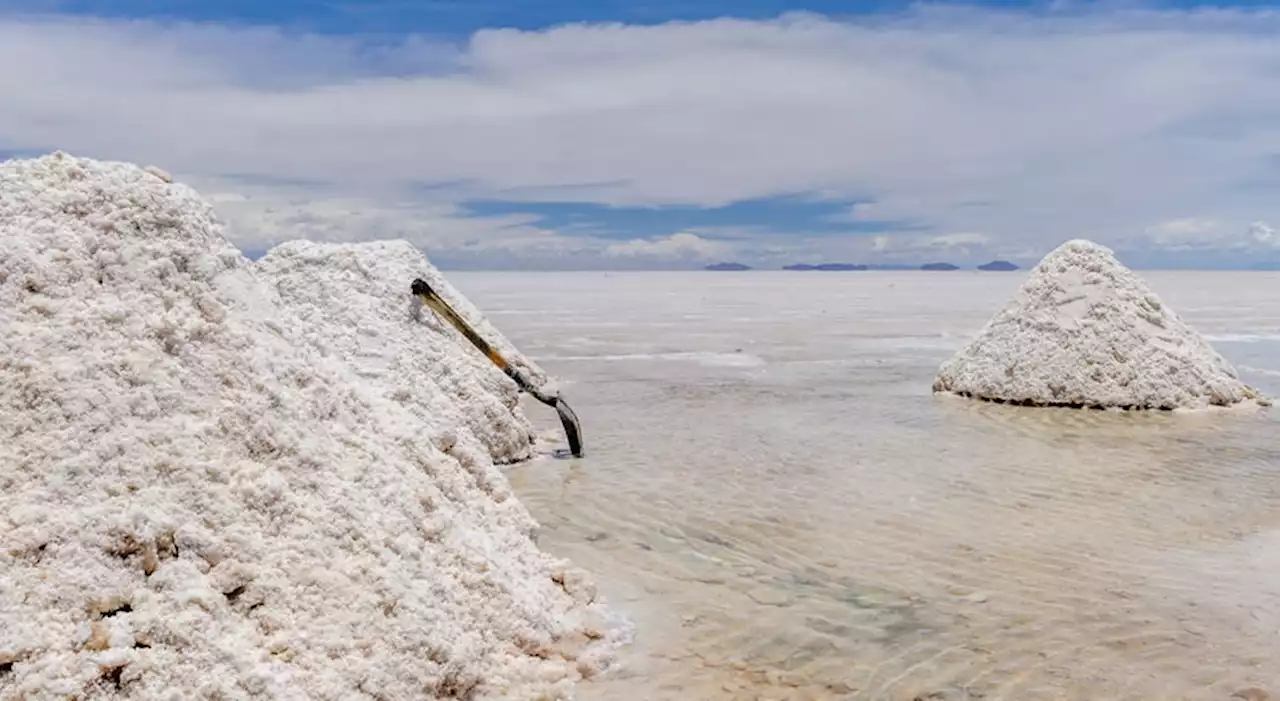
(979, 133)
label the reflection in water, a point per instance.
(814, 524)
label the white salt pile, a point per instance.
(196, 503)
(355, 302)
(1085, 331)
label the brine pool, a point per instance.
(776, 499)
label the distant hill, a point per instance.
(727, 266)
(825, 266)
(939, 266)
(999, 265)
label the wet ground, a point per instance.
(775, 497)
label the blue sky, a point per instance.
(459, 18)
(672, 134)
(453, 18)
(731, 221)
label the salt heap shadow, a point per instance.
(1085, 331)
(196, 502)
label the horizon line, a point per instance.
(445, 268)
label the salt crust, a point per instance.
(196, 503)
(355, 301)
(1084, 330)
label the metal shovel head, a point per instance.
(572, 429)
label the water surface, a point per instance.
(775, 497)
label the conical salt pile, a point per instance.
(355, 300)
(1086, 331)
(196, 503)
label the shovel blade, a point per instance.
(572, 428)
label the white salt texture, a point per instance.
(1084, 330)
(356, 301)
(196, 503)
(468, 311)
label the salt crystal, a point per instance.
(1086, 331)
(173, 438)
(355, 300)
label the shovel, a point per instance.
(572, 429)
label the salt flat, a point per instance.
(776, 497)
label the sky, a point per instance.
(546, 134)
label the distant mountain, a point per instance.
(825, 266)
(999, 265)
(1267, 265)
(939, 266)
(890, 266)
(727, 266)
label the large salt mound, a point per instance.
(355, 300)
(194, 503)
(1084, 330)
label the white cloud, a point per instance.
(1264, 234)
(907, 248)
(1196, 236)
(680, 246)
(958, 240)
(1187, 234)
(1030, 129)
(261, 215)
(1184, 228)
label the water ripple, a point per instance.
(822, 527)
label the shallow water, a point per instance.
(774, 496)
